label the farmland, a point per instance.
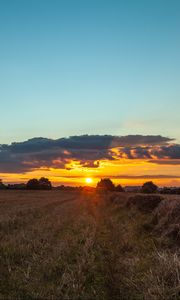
(82, 245)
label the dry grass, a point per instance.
(68, 245)
(163, 281)
(145, 203)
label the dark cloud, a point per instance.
(164, 176)
(170, 151)
(86, 142)
(87, 150)
(159, 154)
(165, 161)
(146, 176)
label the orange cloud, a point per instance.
(128, 159)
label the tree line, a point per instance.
(107, 185)
(32, 184)
(104, 185)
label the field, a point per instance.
(80, 245)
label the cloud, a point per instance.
(165, 161)
(86, 142)
(166, 176)
(85, 150)
(160, 154)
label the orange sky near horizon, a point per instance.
(124, 171)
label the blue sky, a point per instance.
(89, 67)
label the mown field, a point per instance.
(72, 245)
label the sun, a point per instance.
(89, 180)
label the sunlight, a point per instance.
(89, 180)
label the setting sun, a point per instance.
(88, 180)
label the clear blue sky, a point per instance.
(89, 66)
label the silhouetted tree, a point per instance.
(17, 186)
(119, 188)
(149, 187)
(33, 184)
(2, 185)
(41, 184)
(105, 185)
(170, 190)
(45, 184)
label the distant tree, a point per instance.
(105, 185)
(149, 187)
(45, 184)
(119, 188)
(41, 184)
(170, 190)
(2, 185)
(17, 186)
(33, 184)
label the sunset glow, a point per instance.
(121, 171)
(89, 180)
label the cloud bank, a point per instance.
(87, 151)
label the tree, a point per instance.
(119, 188)
(149, 187)
(105, 185)
(33, 184)
(45, 184)
(41, 184)
(2, 185)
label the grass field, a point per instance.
(72, 245)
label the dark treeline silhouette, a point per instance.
(33, 184)
(170, 190)
(41, 184)
(68, 188)
(149, 188)
(104, 185)
(2, 185)
(18, 186)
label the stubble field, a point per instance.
(72, 245)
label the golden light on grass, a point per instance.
(88, 180)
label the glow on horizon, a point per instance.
(129, 173)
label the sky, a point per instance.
(96, 67)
